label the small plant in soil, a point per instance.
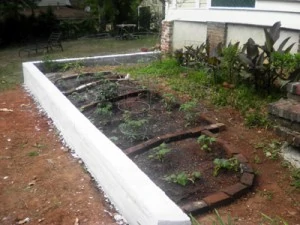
(272, 150)
(104, 109)
(273, 220)
(78, 97)
(206, 142)
(133, 129)
(108, 90)
(160, 152)
(169, 101)
(296, 178)
(227, 164)
(33, 153)
(183, 178)
(190, 114)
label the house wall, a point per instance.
(188, 33)
(234, 24)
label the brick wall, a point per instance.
(216, 33)
(167, 36)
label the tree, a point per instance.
(13, 7)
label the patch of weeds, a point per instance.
(296, 178)
(104, 109)
(169, 101)
(160, 152)
(267, 194)
(108, 90)
(205, 142)
(273, 220)
(133, 129)
(227, 164)
(78, 97)
(272, 149)
(76, 66)
(33, 153)
(216, 221)
(183, 178)
(256, 119)
(257, 159)
(190, 114)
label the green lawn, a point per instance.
(11, 63)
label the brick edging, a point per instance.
(228, 194)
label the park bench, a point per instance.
(54, 41)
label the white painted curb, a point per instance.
(139, 200)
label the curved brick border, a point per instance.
(221, 197)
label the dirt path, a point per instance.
(39, 178)
(42, 181)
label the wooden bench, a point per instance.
(54, 41)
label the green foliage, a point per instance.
(107, 90)
(104, 109)
(230, 64)
(272, 150)
(169, 101)
(273, 220)
(206, 142)
(183, 178)
(217, 221)
(133, 129)
(33, 153)
(76, 66)
(190, 111)
(228, 164)
(49, 64)
(258, 59)
(256, 119)
(296, 178)
(160, 152)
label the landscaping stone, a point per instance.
(247, 179)
(195, 207)
(236, 190)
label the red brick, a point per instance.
(217, 199)
(236, 190)
(247, 179)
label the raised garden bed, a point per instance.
(160, 135)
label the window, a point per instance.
(233, 3)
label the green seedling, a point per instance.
(228, 164)
(169, 101)
(190, 114)
(205, 142)
(33, 153)
(183, 178)
(104, 109)
(160, 152)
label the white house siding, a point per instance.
(186, 3)
(188, 33)
(283, 6)
(242, 33)
(242, 23)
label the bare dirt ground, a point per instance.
(42, 181)
(39, 178)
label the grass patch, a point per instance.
(11, 64)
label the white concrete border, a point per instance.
(139, 200)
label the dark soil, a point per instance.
(130, 100)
